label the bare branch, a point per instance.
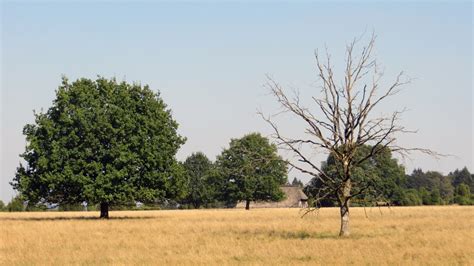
(340, 121)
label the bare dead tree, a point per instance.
(344, 124)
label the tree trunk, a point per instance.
(344, 219)
(247, 205)
(344, 204)
(104, 210)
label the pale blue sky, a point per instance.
(209, 61)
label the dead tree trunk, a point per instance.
(247, 205)
(104, 210)
(342, 125)
(344, 219)
(344, 204)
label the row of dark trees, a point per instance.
(385, 182)
(384, 178)
(223, 183)
(248, 170)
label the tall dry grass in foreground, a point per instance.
(415, 235)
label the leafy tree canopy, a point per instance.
(101, 141)
(252, 169)
(462, 177)
(202, 181)
(431, 181)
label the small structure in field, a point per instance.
(294, 198)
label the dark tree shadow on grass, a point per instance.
(78, 218)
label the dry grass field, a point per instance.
(400, 236)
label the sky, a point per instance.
(209, 61)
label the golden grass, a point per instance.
(400, 236)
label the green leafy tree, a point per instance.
(446, 189)
(419, 179)
(252, 170)
(462, 177)
(411, 198)
(431, 181)
(102, 142)
(2, 206)
(425, 196)
(315, 190)
(463, 195)
(202, 182)
(16, 204)
(435, 197)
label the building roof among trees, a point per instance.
(294, 196)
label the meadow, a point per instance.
(396, 236)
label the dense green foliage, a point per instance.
(101, 141)
(16, 205)
(203, 184)
(384, 180)
(462, 177)
(252, 170)
(463, 195)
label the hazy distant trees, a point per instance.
(252, 170)
(104, 142)
(463, 195)
(417, 188)
(434, 188)
(462, 177)
(297, 183)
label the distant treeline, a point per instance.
(418, 188)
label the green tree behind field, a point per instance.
(103, 142)
(203, 184)
(392, 184)
(16, 204)
(252, 170)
